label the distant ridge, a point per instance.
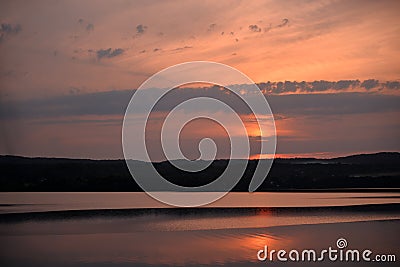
(378, 171)
(380, 157)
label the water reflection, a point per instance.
(189, 236)
(154, 248)
(52, 201)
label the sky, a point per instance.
(329, 70)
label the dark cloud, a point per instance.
(109, 53)
(8, 29)
(254, 28)
(115, 102)
(322, 86)
(369, 84)
(332, 104)
(333, 122)
(100, 103)
(346, 84)
(284, 23)
(393, 85)
(140, 29)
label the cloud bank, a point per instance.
(284, 98)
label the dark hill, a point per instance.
(378, 171)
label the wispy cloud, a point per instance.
(284, 23)
(8, 29)
(254, 28)
(109, 53)
(140, 29)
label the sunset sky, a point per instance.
(329, 69)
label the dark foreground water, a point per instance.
(61, 233)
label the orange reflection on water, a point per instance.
(264, 212)
(160, 248)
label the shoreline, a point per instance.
(14, 217)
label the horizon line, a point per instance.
(249, 159)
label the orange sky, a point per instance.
(52, 52)
(55, 51)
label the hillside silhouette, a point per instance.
(368, 171)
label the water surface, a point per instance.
(119, 229)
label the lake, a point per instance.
(132, 229)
